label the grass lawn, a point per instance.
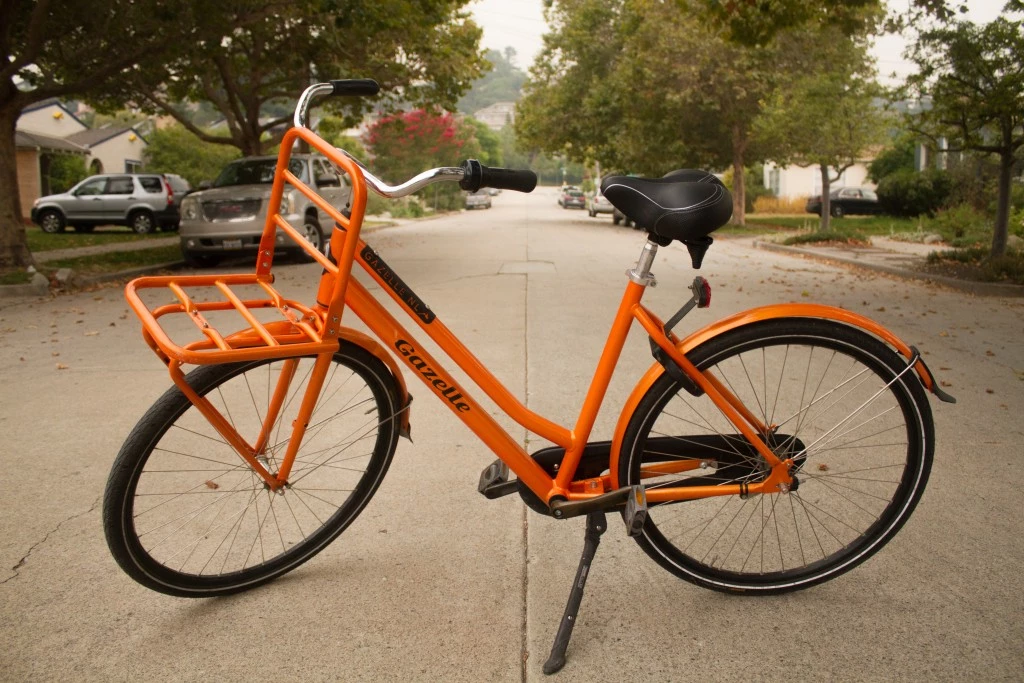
(118, 260)
(40, 241)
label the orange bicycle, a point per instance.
(767, 452)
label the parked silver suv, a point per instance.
(141, 201)
(228, 218)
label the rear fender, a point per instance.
(756, 315)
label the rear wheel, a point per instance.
(142, 222)
(185, 515)
(859, 432)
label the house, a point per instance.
(497, 115)
(112, 149)
(795, 182)
(48, 128)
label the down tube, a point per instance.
(430, 372)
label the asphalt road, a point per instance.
(435, 583)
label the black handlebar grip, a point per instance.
(477, 175)
(357, 87)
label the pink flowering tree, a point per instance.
(405, 144)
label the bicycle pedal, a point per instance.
(635, 514)
(494, 481)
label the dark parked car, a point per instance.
(141, 201)
(572, 198)
(847, 201)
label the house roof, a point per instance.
(25, 139)
(95, 136)
(50, 102)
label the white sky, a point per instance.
(520, 24)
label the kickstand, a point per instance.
(596, 524)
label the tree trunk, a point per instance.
(999, 235)
(826, 203)
(739, 188)
(14, 251)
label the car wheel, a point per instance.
(195, 260)
(142, 222)
(837, 211)
(52, 221)
(84, 228)
(616, 219)
(311, 231)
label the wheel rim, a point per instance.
(863, 466)
(197, 510)
(313, 236)
(50, 222)
(142, 223)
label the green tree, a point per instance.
(828, 118)
(67, 48)
(175, 150)
(502, 83)
(422, 52)
(489, 141)
(697, 99)
(895, 158)
(973, 79)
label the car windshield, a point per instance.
(257, 172)
(574, 193)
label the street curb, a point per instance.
(976, 288)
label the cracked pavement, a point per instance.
(433, 582)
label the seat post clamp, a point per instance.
(642, 274)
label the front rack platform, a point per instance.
(299, 331)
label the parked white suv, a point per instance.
(141, 201)
(228, 218)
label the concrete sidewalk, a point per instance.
(884, 255)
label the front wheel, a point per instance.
(859, 433)
(52, 221)
(185, 515)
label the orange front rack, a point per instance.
(297, 332)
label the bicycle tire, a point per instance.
(860, 432)
(185, 515)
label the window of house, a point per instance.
(132, 166)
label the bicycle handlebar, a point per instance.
(476, 176)
(471, 175)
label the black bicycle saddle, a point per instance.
(685, 205)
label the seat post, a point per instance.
(642, 274)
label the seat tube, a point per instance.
(639, 278)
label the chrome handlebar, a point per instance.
(435, 175)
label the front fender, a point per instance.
(756, 315)
(371, 346)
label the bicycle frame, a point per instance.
(318, 330)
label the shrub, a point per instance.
(906, 193)
(65, 171)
